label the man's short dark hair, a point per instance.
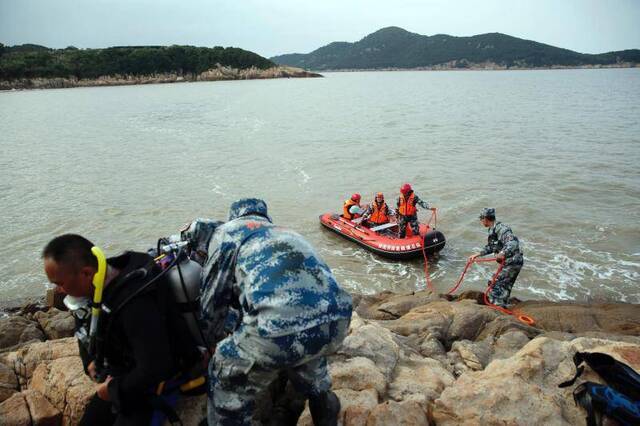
(72, 250)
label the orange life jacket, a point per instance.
(345, 209)
(407, 207)
(379, 214)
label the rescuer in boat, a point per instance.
(378, 212)
(292, 313)
(506, 246)
(407, 212)
(142, 339)
(351, 208)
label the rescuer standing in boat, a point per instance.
(506, 246)
(407, 212)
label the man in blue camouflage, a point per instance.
(506, 246)
(291, 313)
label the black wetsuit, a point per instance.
(145, 342)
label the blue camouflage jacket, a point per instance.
(271, 275)
(501, 239)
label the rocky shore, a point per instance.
(409, 359)
(215, 74)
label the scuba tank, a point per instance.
(184, 280)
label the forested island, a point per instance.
(33, 66)
(396, 48)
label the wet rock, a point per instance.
(612, 318)
(406, 413)
(398, 305)
(15, 411)
(8, 382)
(17, 331)
(56, 324)
(41, 411)
(357, 374)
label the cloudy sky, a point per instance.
(286, 26)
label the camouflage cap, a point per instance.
(488, 212)
(248, 206)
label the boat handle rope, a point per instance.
(433, 217)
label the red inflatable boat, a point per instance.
(383, 239)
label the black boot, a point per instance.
(324, 409)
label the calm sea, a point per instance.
(555, 152)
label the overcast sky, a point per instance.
(287, 26)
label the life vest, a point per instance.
(407, 207)
(345, 209)
(379, 214)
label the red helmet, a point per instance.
(356, 197)
(405, 189)
(380, 195)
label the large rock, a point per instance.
(524, 386)
(41, 411)
(17, 331)
(419, 379)
(56, 324)
(8, 382)
(29, 357)
(612, 318)
(371, 341)
(406, 413)
(357, 374)
(63, 382)
(355, 407)
(15, 411)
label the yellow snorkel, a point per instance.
(98, 284)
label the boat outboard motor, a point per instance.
(184, 280)
(434, 241)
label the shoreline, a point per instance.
(487, 67)
(219, 73)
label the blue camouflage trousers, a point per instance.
(412, 221)
(501, 291)
(245, 364)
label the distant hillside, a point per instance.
(395, 47)
(29, 61)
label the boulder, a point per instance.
(8, 382)
(41, 411)
(371, 341)
(357, 374)
(419, 379)
(56, 324)
(524, 386)
(15, 411)
(612, 318)
(355, 407)
(63, 382)
(406, 413)
(17, 331)
(29, 357)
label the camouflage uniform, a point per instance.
(410, 220)
(292, 312)
(502, 240)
